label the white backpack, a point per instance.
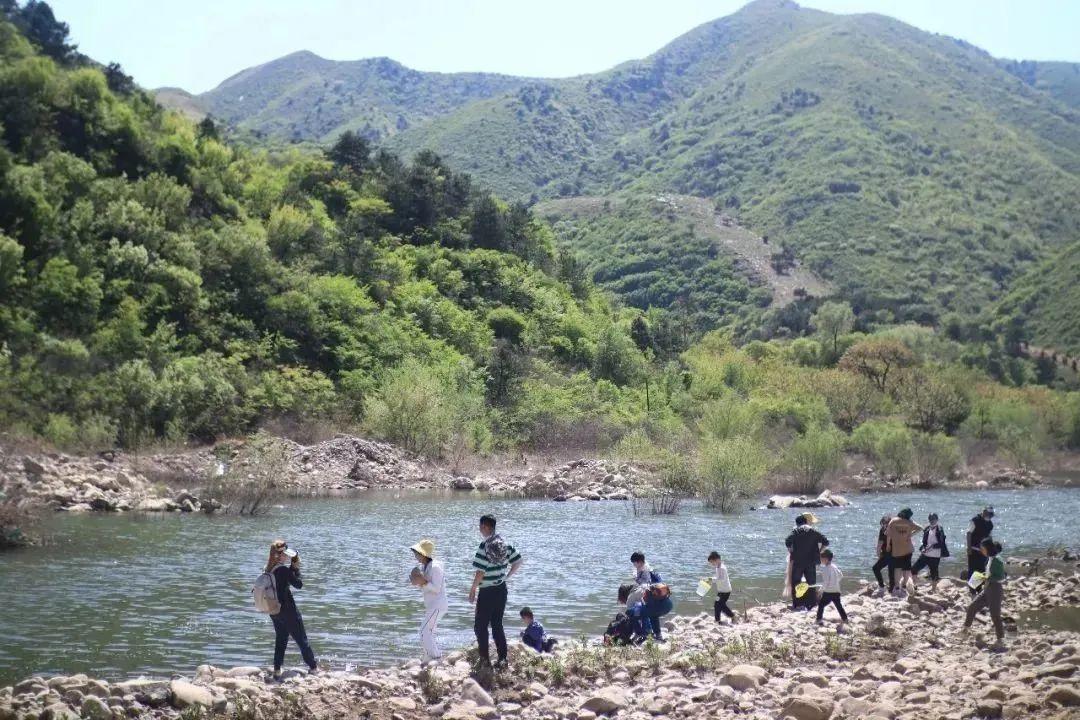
(265, 594)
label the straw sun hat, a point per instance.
(425, 548)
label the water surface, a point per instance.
(118, 595)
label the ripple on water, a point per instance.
(117, 595)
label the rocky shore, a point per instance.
(898, 660)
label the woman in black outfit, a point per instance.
(284, 564)
(884, 561)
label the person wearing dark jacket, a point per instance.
(883, 561)
(805, 545)
(981, 528)
(932, 551)
(284, 565)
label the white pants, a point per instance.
(432, 616)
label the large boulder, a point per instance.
(809, 707)
(471, 690)
(1064, 695)
(606, 700)
(744, 677)
(183, 694)
(94, 708)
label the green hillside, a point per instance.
(1059, 79)
(1045, 303)
(305, 97)
(158, 283)
(915, 172)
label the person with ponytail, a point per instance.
(284, 565)
(992, 594)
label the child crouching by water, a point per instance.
(830, 589)
(723, 587)
(534, 634)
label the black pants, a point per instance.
(798, 572)
(833, 598)
(884, 563)
(720, 606)
(925, 561)
(288, 623)
(490, 606)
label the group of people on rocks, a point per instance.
(648, 598)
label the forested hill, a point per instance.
(157, 283)
(306, 97)
(915, 172)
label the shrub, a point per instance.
(255, 477)
(729, 471)
(935, 458)
(878, 359)
(893, 450)
(507, 324)
(18, 516)
(729, 416)
(851, 398)
(931, 402)
(811, 457)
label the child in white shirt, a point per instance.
(830, 588)
(723, 587)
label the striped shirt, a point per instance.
(494, 573)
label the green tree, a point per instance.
(935, 458)
(879, 360)
(932, 402)
(811, 457)
(832, 320)
(730, 471)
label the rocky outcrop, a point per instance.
(825, 500)
(586, 479)
(772, 664)
(106, 483)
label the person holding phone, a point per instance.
(284, 565)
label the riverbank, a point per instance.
(174, 481)
(899, 659)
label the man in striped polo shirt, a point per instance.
(495, 562)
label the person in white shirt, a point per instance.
(723, 587)
(429, 577)
(830, 588)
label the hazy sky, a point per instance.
(196, 44)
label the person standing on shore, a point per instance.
(898, 543)
(495, 562)
(723, 588)
(805, 545)
(981, 528)
(931, 552)
(883, 561)
(992, 593)
(428, 575)
(284, 566)
(830, 589)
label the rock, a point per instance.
(606, 700)
(471, 690)
(988, 708)
(94, 708)
(58, 711)
(33, 467)
(1064, 695)
(780, 502)
(463, 483)
(402, 703)
(243, 671)
(744, 677)
(184, 694)
(808, 707)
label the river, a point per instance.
(121, 595)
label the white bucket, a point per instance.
(703, 587)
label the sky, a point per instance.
(196, 44)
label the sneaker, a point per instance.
(820, 621)
(501, 664)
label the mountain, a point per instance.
(1059, 79)
(915, 172)
(305, 97)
